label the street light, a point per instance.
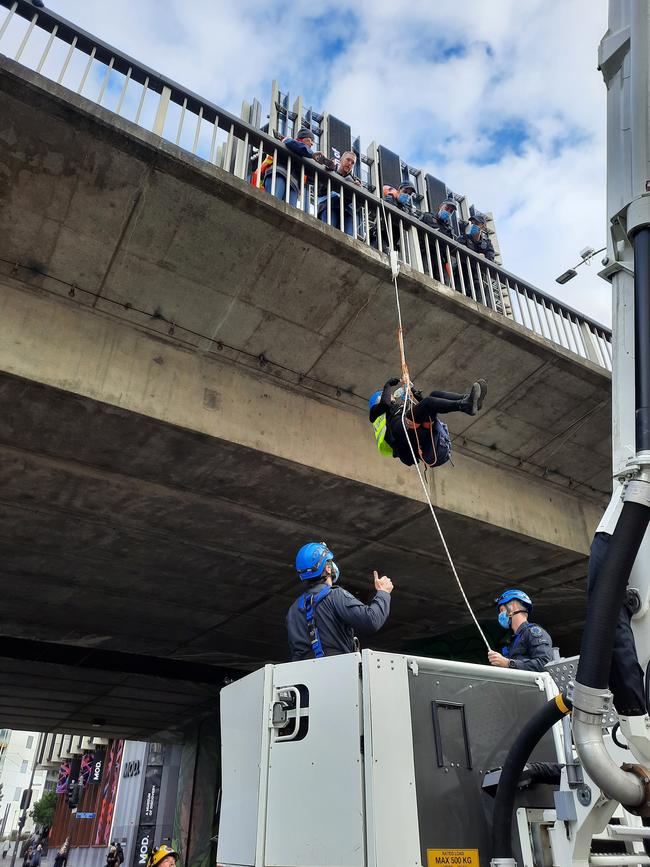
(586, 256)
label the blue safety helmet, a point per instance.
(311, 560)
(509, 595)
(374, 398)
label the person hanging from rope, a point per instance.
(428, 435)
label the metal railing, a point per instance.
(55, 48)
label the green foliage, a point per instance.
(43, 811)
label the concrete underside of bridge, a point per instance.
(156, 478)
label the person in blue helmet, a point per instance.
(428, 439)
(530, 647)
(324, 618)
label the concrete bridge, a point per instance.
(184, 364)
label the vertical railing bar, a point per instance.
(366, 217)
(603, 354)
(529, 309)
(260, 155)
(199, 119)
(557, 318)
(145, 87)
(500, 291)
(5, 23)
(468, 265)
(227, 154)
(517, 314)
(329, 201)
(582, 339)
(451, 268)
(287, 187)
(552, 325)
(378, 225)
(105, 82)
(536, 305)
(490, 288)
(608, 345)
(564, 329)
(213, 142)
(26, 37)
(480, 283)
(542, 304)
(512, 295)
(47, 47)
(354, 215)
(127, 79)
(316, 174)
(596, 341)
(341, 208)
(246, 157)
(460, 274)
(73, 45)
(87, 70)
(427, 250)
(181, 121)
(402, 241)
(161, 112)
(302, 191)
(441, 270)
(274, 170)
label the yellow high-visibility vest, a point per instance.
(379, 427)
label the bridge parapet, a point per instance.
(57, 49)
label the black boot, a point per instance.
(473, 401)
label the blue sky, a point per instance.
(501, 100)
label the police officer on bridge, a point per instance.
(530, 647)
(324, 619)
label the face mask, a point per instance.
(335, 572)
(474, 231)
(504, 619)
(399, 393)
(444, 216)
(404, 199)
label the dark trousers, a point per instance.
(426, 410)
(625, 675)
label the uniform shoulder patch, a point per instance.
(536, 631)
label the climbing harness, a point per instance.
(307, 604)
(409, 399)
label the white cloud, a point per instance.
(532, 64)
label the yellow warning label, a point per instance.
(453, 857)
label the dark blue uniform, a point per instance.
(338, 616)
(530, 648)
(482, 244)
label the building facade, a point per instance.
(18, 752)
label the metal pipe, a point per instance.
(642, 337)
(620, 785)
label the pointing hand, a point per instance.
(382, 583)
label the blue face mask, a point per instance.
(474, 231)
(404, 199)
(444, 216)
(399, 393)
(504, 619)
(335, 572)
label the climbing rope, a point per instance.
(409, 399)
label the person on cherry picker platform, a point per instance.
(530, 647)
(324, 619)
(428, 436)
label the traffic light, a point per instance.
(74, 794)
